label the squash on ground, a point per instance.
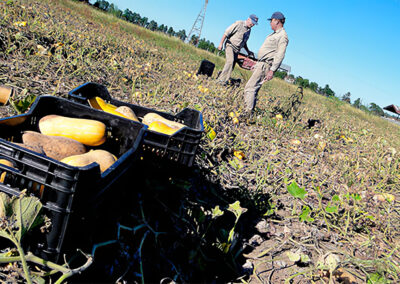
(151, 117)
(99, 103)
(102, 157)
(56, 147)
(87, 131)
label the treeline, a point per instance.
(328, 92)
(152, 25)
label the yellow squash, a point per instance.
(128, 112)
(151, 117)
(102, 157)
(7, 163)
(99, 103)
(87, 131)
(161, 127)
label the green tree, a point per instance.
(113, 9)
(128, 15)
(206, 45)
(194, 40)
(181, 34)
(280, 74)
(161, 28)
(314, 86)
(152, 25)
(357, 103)
(136, 18)
(327, 91)
(171, 31)
(305, 83)
(144, 22)
(102, 4)
(299, 80)
(375, 109)
(346, 97)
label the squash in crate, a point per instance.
(87, 131)
(123, 111)
(102, 157)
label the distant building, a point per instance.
(290, 80)
(285, 68)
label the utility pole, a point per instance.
(198, 25)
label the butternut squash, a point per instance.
(8, 164)
(151, 116)
(32, 148)
(104, 158)
(56, 147)
(99, 103)
(86, 131)
(128, 112)
(162, 127)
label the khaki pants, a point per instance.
(254, 84)
(231, 57)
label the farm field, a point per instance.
(307, 193)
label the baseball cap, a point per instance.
(254, 19)
(277, 15)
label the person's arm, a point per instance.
(278, 58)
(280, 53)
(228, 32)
(222, 42)
(249, 52)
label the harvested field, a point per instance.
(318, 182)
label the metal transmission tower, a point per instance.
(198, 25)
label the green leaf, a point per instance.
(296, 190)
(216, 212)
(376, 278)
(25, 214)
(38, 280)
(304, 258)
(197, 107)
(22, 105)
(370, 217)
(4, 205)
(332, 261)
(305, 214)
(5, 234)
(336, 198)
(236, 209)
(293, 256)
(236, 164)
(356, 196)
(331, 209)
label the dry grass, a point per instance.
(348, 163)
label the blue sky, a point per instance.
(351, 45)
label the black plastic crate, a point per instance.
(70, 195)
(180, 147)
(206, 68)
